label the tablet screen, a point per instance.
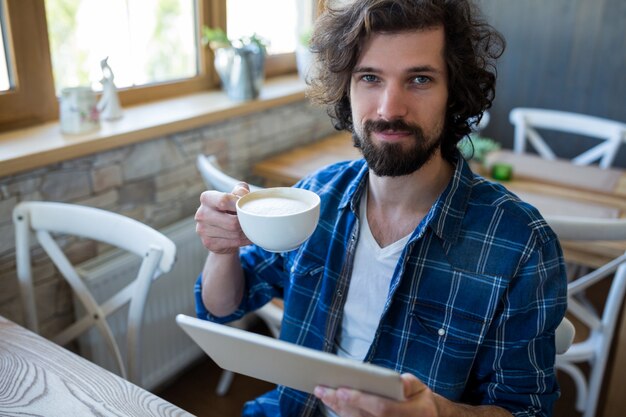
(284, 363)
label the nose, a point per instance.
(392, 104)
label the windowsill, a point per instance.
(35, 147)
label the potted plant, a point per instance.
(475, 148)
(239, 63)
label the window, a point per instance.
(146, 42)
(153, 47)
(30, 98)
(280, 22)
(247, 17)
(4, 68)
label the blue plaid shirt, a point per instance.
(472, 307)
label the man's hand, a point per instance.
(420, 402)
(217, 223)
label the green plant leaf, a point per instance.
(305, 37)
(215, 38)
(477, 147)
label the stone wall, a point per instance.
(155, 182)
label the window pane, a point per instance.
(278, 21)
(4, 68)
(147, 41)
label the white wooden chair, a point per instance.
(477, 128)
(564, 336)
(50, 222)
(214, 177)
(595, 349)
(610, 133)
(271, 314)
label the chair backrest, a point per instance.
(478, 127)
(527, 120)
(43, 219)
(213, 175)
(595, 348)
(564, 336)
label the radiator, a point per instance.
(166, 349)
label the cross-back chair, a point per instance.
(48, 221)
(478, 127)
(610, 134)
(595, 349)
(271, 313)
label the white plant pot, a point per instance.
(304, 61)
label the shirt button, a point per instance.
(441, 332)
(293, 269)
(339, 293)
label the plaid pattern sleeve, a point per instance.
(472, 307)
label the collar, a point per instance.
(449, 209)
(356, 188)
(446, 215)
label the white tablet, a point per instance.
(284, 363)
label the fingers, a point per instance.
(241, 189)
(419, 400)
(337, 401)
(412, 386)
(221, 239)
(351, 403)
(217, 223)
(215, 200)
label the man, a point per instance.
(417, 264)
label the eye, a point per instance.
(369, 78)
(420, 80)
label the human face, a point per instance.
(398, 95)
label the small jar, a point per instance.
(78, 110)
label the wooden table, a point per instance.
(40, 378)
(285, 169)
(561, 188)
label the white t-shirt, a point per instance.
(369, 286)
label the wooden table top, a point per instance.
(287, 168)
(565, 181)
(40, 378)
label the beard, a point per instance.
(391, 159)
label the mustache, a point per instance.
(398, 124)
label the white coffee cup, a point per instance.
(279, 219)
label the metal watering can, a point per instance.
(241, 70)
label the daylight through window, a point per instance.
(5, 84)
(147, 41)
(280, 22)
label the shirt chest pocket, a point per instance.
(448, 325)
(305, 271)
(443, 345)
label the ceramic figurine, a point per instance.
(109, 104)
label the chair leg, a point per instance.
(224, 383)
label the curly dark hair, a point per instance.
(471, 49)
